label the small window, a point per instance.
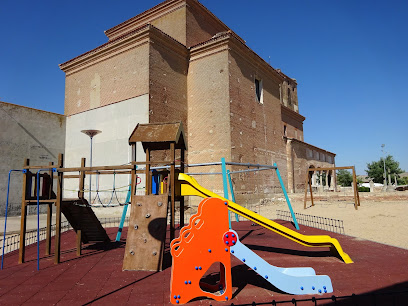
(284, 130)
(289, 97)
(259, 91)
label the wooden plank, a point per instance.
(330, 168)
(23, 225)
(146, 233)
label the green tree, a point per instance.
(375, 169)
(344, 178)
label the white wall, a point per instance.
(116, 121)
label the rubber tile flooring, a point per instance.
(96, 277)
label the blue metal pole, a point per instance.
(232, 192)
(38, 214)
(286, 196)
(5, 217)
(225, 185)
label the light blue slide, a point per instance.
(289, 280)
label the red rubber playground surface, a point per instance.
(97, 278)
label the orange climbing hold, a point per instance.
(199, 246)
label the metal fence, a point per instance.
(327, 224)
(12, 242)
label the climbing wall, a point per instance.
(146, 233)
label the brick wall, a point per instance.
(201, 26)
(115, 79)
(256, 135)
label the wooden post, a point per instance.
(172, 190)
(148, 178)
(49, 214)
(355, 187)
(23, 226)
(182, 158)
(57, 255)
(82, 180)
(81, 195)
(306, 185)
(311, 191)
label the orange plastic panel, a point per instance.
(199, 246)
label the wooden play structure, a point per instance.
(148, 218)
(308, 183)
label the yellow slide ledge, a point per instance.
(190, 187)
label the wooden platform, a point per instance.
(97, 278)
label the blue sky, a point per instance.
(349, 58)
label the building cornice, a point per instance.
(291, 113)
(308, 145)
(230, 41)
(131, 40)
(144, 18)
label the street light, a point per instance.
(385, 174)
(91, 134)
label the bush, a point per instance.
(363, 189)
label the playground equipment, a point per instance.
(189, 186)
(308, 183)
(208, 240)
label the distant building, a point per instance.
(179, 62)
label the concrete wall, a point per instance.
(116, 121)
(26, 133)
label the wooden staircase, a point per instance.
(81, 217)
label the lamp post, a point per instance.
(91, 134)
(385, 174)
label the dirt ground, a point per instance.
(381, 217)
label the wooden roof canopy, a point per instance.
(158, 136)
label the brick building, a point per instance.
(179, 62)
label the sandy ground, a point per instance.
(378, 218)
(381, 217)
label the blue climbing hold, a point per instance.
(313, 288)
(226, 203)
(175, 297)
(196, 268)
(177, 301)
(226, 242)
(325, 291)
(324, 287)
(178, 297)
(189, 281)
(226, 250)
(266, 276)
(185, 282)
(209, 250)
(243, 259)
(254, 268)
(301, 288)
(226, 236)
(226, 298)
(320, 291)
(233, 235)
(233, 241)
(232, 251)
(199, 268)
